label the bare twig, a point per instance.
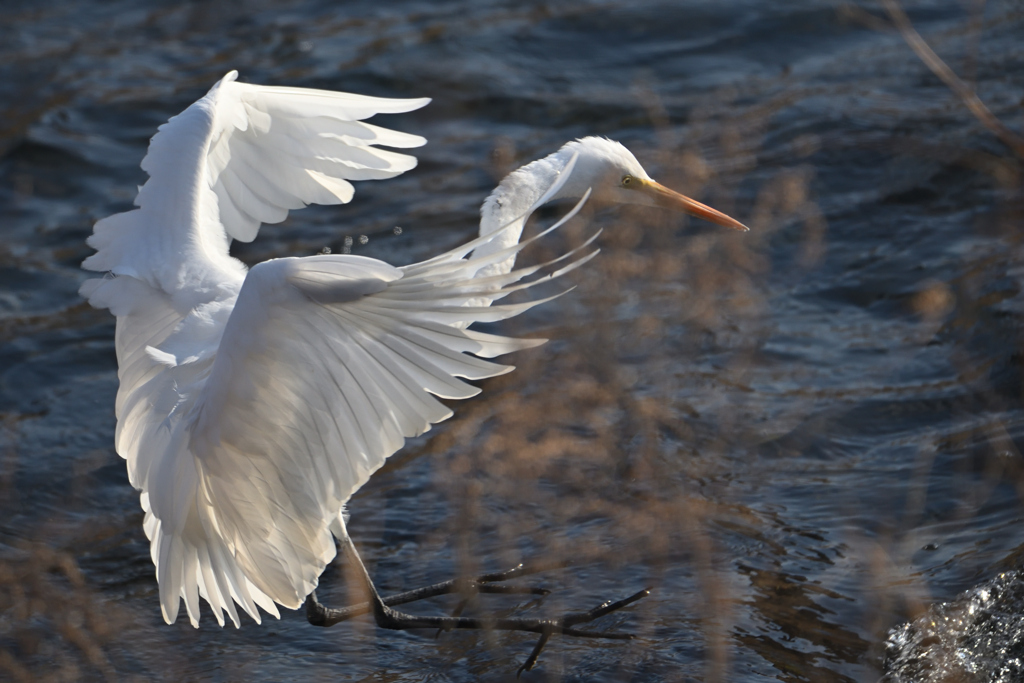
(941, 69)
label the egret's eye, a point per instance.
(627, 180)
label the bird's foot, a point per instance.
(319, 615)
(567, 622)
(389, 618)
(470, 589)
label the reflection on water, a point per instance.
(803, 436)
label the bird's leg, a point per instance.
(389, 618)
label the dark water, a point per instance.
(802, 437)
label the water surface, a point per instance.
(802, 437)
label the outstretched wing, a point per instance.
(240, 156)
(326, 366)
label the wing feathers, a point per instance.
(309, 103)
(304, 143)
(252, 406)
(241, 156)
(326, 366)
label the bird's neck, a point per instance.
(512, 202)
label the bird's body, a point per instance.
(254, 403)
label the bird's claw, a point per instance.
(470, 590)
(565, 624)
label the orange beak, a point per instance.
(671, 199)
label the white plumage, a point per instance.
(253, 404)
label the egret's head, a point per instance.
(616, 177)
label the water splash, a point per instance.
(978, 636)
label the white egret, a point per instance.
(253, 404)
